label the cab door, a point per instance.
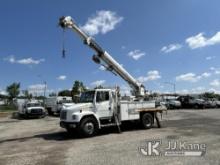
(103, 104)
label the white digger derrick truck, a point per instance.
(102, 107)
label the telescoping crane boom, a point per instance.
(103, 58)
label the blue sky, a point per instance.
(156, 41)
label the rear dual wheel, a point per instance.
(147, 120)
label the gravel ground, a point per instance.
(42, 141)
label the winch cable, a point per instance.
(63, 44)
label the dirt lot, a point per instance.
(42, 141)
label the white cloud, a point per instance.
(24, 61)
(205, 74)
(3, 92)
(102, 68)
(183, 91)
(215, 83)
(27, 61)
(136, 54)
(125, 90)
(210, 57)
(61, 77)
(198, 90)
(151, 76)
(212, 68)
(10, 59)
(170, 48)
(214, 90)
(123, 47)
(98, 82)
(102, 22)
(192, 77)
(121, 65)
(216, 70)
(199, 41)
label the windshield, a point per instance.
(87, 97)
(65, 101)
(171, 100)
(33, 105)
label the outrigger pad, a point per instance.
(157, 120)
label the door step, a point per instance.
(108, 125)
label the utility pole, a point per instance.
(45, 87)
(44, 90)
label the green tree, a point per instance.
(52, 94)
(99, 87)
(40, 98)
(211, 95)
(65, 93)
(78, 88)
(208, 95)
(13, 90)
(27, 94)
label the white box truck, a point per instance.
(54, 104)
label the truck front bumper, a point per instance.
(68, 125)
(30, 114)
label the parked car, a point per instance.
(210, 103)
(217, 103)
(192, 102)
(32, 109)
(172, 104)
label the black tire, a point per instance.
(88, 127)
(26, 116)
(147, 121)
(50, 112)
(196, 106)
(42, 116)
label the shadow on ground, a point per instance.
(181, 127)
(63, 135)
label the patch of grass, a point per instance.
(7, 108)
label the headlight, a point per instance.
(74, 117)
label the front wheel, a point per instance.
(88, 127)
(50, 112)
(196, 106)
(147, 120)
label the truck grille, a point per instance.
(36, 111)
(63, 115)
